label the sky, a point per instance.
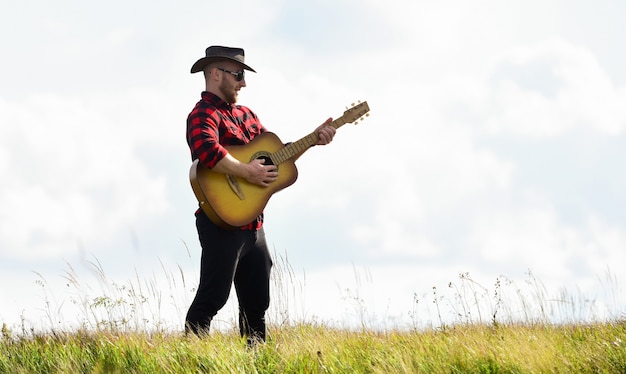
(488, 178)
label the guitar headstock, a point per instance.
(356, 113)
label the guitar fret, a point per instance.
(293, 149)
(278, 157)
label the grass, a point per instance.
(307, 348)
(501, 329)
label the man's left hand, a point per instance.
(325, 133)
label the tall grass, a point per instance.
(158, 302)
(137, 304)
(471, 328)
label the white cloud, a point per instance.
(529, 237)
(607, 246)
(550, 88)
(73, 177)
(533, 237)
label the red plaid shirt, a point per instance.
(213, 124)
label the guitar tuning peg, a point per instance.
(352, 104)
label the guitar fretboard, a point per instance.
(302, 145)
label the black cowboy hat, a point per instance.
(216, 53)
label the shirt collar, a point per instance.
(215, 100)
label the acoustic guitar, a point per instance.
(231, 201)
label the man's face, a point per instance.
(229, 86)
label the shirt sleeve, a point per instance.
(203, 137)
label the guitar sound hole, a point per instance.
(266, 160)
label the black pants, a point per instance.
(231, 256)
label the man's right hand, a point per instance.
(255, 172)
(261, 174)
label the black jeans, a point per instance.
(231, 256)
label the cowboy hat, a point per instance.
(216, 53)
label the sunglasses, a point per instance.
(239, 75)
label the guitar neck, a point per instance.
(301, 145)
(304, 144)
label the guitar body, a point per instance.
(232, 202)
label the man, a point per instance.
(238, 256)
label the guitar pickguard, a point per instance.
(234, 185)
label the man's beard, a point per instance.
(229, 92)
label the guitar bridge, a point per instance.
(234, 185)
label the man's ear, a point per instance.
(210, 73)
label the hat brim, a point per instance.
(204, 61)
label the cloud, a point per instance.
(534, 237)
(72, 176)
(550, 88)
(526, 236)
